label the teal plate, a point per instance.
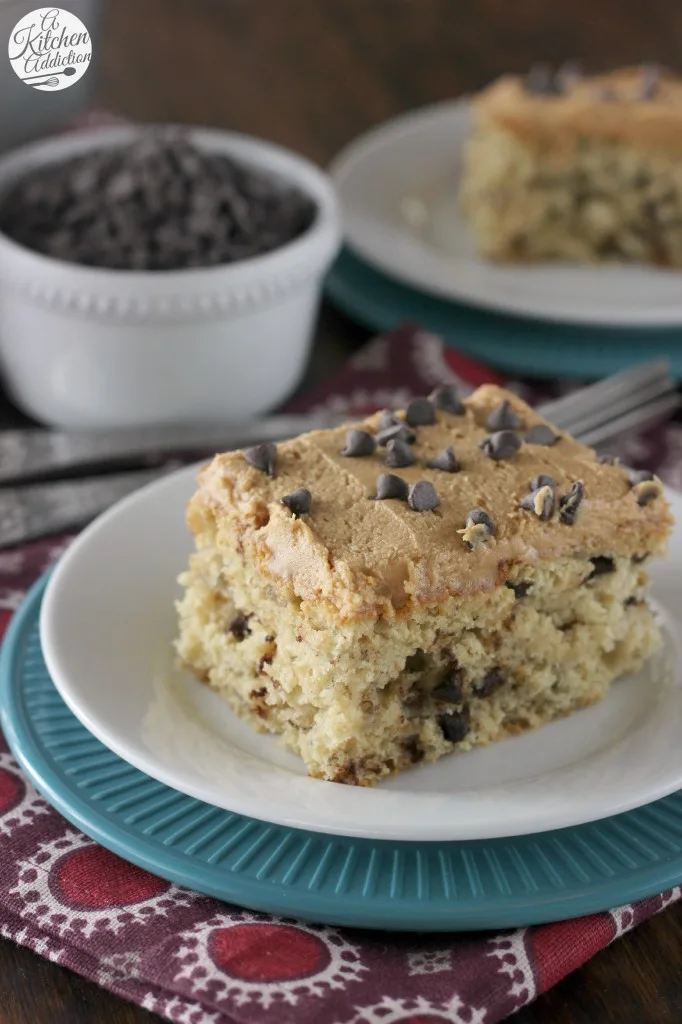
(512, 344)
(498, 883)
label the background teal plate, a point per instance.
(410, 886)
(514, 345)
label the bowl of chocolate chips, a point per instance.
(152, 275)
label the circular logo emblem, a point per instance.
(50, 49)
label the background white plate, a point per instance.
(419, 153)
(107, 624)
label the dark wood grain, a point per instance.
(312, 74)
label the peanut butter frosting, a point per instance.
(611, 106)
(366, 558)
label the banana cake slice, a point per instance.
(418, 583)
(587, 169)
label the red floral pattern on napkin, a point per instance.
(194, 960)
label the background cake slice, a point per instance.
(418, 583)
(584, 169)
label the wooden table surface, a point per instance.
(312, 74)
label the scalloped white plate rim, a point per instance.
(107, 623)
(416, 151)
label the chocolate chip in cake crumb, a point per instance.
(608, 460)
(420, 413)
(541, 501)
(602, 565)
(520, 589)
(491, 682)
(269, 638)
(266, 659)
(478, 530)
(647, 491)
(445, 460)
(446, 398)
(503, 417)
(502, 445)
(398, 454)
(413, 748)
(239, 627)
(391, 486)
(633, 601)
(299, 502)
(569, 506)
(454, 725)
(449, 691)
(359, 443)
(396, 432)
(541, 434)
(423, 497)
(262, 457)
(638, 559)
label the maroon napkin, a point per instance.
(195, 960)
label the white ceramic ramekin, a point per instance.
(83, 347)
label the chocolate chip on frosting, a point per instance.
(568, 75)
(420, 413)
(608, 460)
(640, 476)
(388, 419)
(391, 486)
(569, 505)
(358, 443)
(398, 454)
(396, 432)
(541, 502)
(447, 399)
(540, 81)
(649, 81)
(262, 457)
(445, 460)
(502, 445)
(423, 497)
(647, 491)
(503, 417)
(298, 502)
(541, 480)
(478, 530)
(541, 434)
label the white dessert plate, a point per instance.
(417, 156)
(106, 628)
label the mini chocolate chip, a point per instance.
(391, 486)
(449, 691)
(608, 460)
(423, 497)
(568, 75)
(239, 627)
(420, 413)
(649, 81)
(396, 432)
(520, 589)
(632, 601)
(262, 457)
(541, 502)
(541, 480)
(502, 445)
(445, 460)
(454, 725)
(398, 454)
(299, 501)
(413, 748)
(358, 443)
(388, 419)
(269, 638)
(541, 434)
(503, 417)
(639, 476)
(491, 681)
(447, 398)
(602, 565)
(647, 491)
(570, 504)
(638, 559)
(540, 81)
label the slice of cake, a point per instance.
(418, 583)
(582, 169)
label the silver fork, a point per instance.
(627, 401)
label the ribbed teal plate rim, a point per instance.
(390, 885)
(512, 344)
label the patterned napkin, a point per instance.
(195, 960)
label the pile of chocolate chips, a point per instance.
(159, 203)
